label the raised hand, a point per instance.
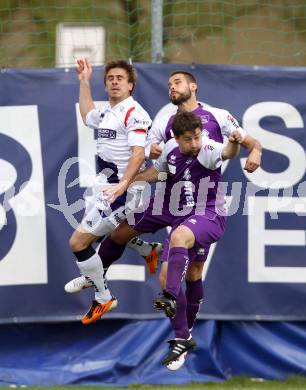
(84, 69)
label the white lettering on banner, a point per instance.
(259, 238)
(86, 148)
(229, 200)
(26, 259)
(276, 143)
(134, 273)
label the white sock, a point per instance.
(93, 268)
(142, 247)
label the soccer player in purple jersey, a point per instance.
(217, 124)
(190, 206)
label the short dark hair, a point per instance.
(185, 121)
(190, 77)
(130, 70)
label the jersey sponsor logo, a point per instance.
(233, 121)
(141, 122)
(188, 191)
(107, 133)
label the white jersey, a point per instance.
(217, 124)
(118, 129)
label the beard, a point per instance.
(181, 98)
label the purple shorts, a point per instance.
(207, 229)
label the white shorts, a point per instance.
(101, 217)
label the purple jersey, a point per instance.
(192, 182)
(217, 124)
(188, 197)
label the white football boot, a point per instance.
(78, 284)
(178, 363)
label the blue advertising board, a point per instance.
(257, 271)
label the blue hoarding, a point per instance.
(257, 271)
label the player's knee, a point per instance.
(194, 272)
(75, 244)
(117, 237)
(177, 239)
(193, 275)
(123, 234)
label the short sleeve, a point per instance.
(93, 118)
(161, 164)
(230, 124)
(210, 155)
(157, 132)
(137, 127)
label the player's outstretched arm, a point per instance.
(155, 151)
(232, 148)
(254, 158)
(149, 175)
(84, 71)
(136, 160)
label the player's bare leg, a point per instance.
(91, 267)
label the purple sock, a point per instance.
(109, 252)
(194, 296)
(177, 266)
(179, 322)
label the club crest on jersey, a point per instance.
(107, 133)
(204, 119)
(172, 159)
(141, 122)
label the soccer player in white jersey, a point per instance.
(122, 128)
